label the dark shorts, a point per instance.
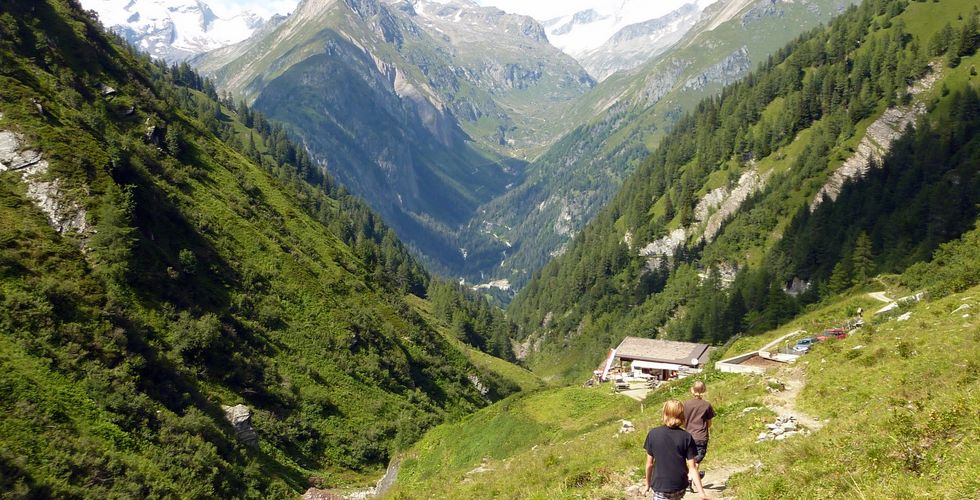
(702, 447)
(673, 495)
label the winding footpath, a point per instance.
(783, 404)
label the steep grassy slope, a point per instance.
(151, 273)
(708, 238)
(897, 400)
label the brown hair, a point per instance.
(673, 413)
(698, 389)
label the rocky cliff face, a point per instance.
(728, 70)
(877, 141)
(48, 194)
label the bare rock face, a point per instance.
(723, 202)
(749, 183)
(478, 385)
(666, 246)
(725, 72)
(63, 214)
(240, 417)
(661, 82)
(877, 141)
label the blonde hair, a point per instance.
(673, 413)
(698, 389)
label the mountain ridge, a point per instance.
(435, 113)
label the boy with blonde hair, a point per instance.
(671, 449)
(699, 414)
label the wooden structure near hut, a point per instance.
(659, 359)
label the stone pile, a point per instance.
(774, 385)
(783, 428)
(627, 427)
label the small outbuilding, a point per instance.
(660, 359)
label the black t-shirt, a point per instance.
(670, 448)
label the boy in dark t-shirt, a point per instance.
(672, 450)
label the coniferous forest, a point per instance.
(824, 87)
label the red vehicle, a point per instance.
(833, 333)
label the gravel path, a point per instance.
(783, 403)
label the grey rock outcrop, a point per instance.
(762, 10)
(478, 385)
(666, 246)
(660, 82)
(240, 418)
(728, 70)
(724, 203)
(63, 213)
(750, 182)
(877, 141)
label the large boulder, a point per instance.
(240, 417)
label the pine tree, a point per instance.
(113, 240)
(862, 260)
(840, 279)
(966, 43)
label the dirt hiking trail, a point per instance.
(783, 404)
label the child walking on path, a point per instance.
(671, 451)
(699, 414)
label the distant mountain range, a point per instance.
(616, 36)
(423, 108)
(173, 30)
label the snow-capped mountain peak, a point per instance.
(173, 30)
(586, 30)
(613, 35)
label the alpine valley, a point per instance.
(485, 147)
(246, 258)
